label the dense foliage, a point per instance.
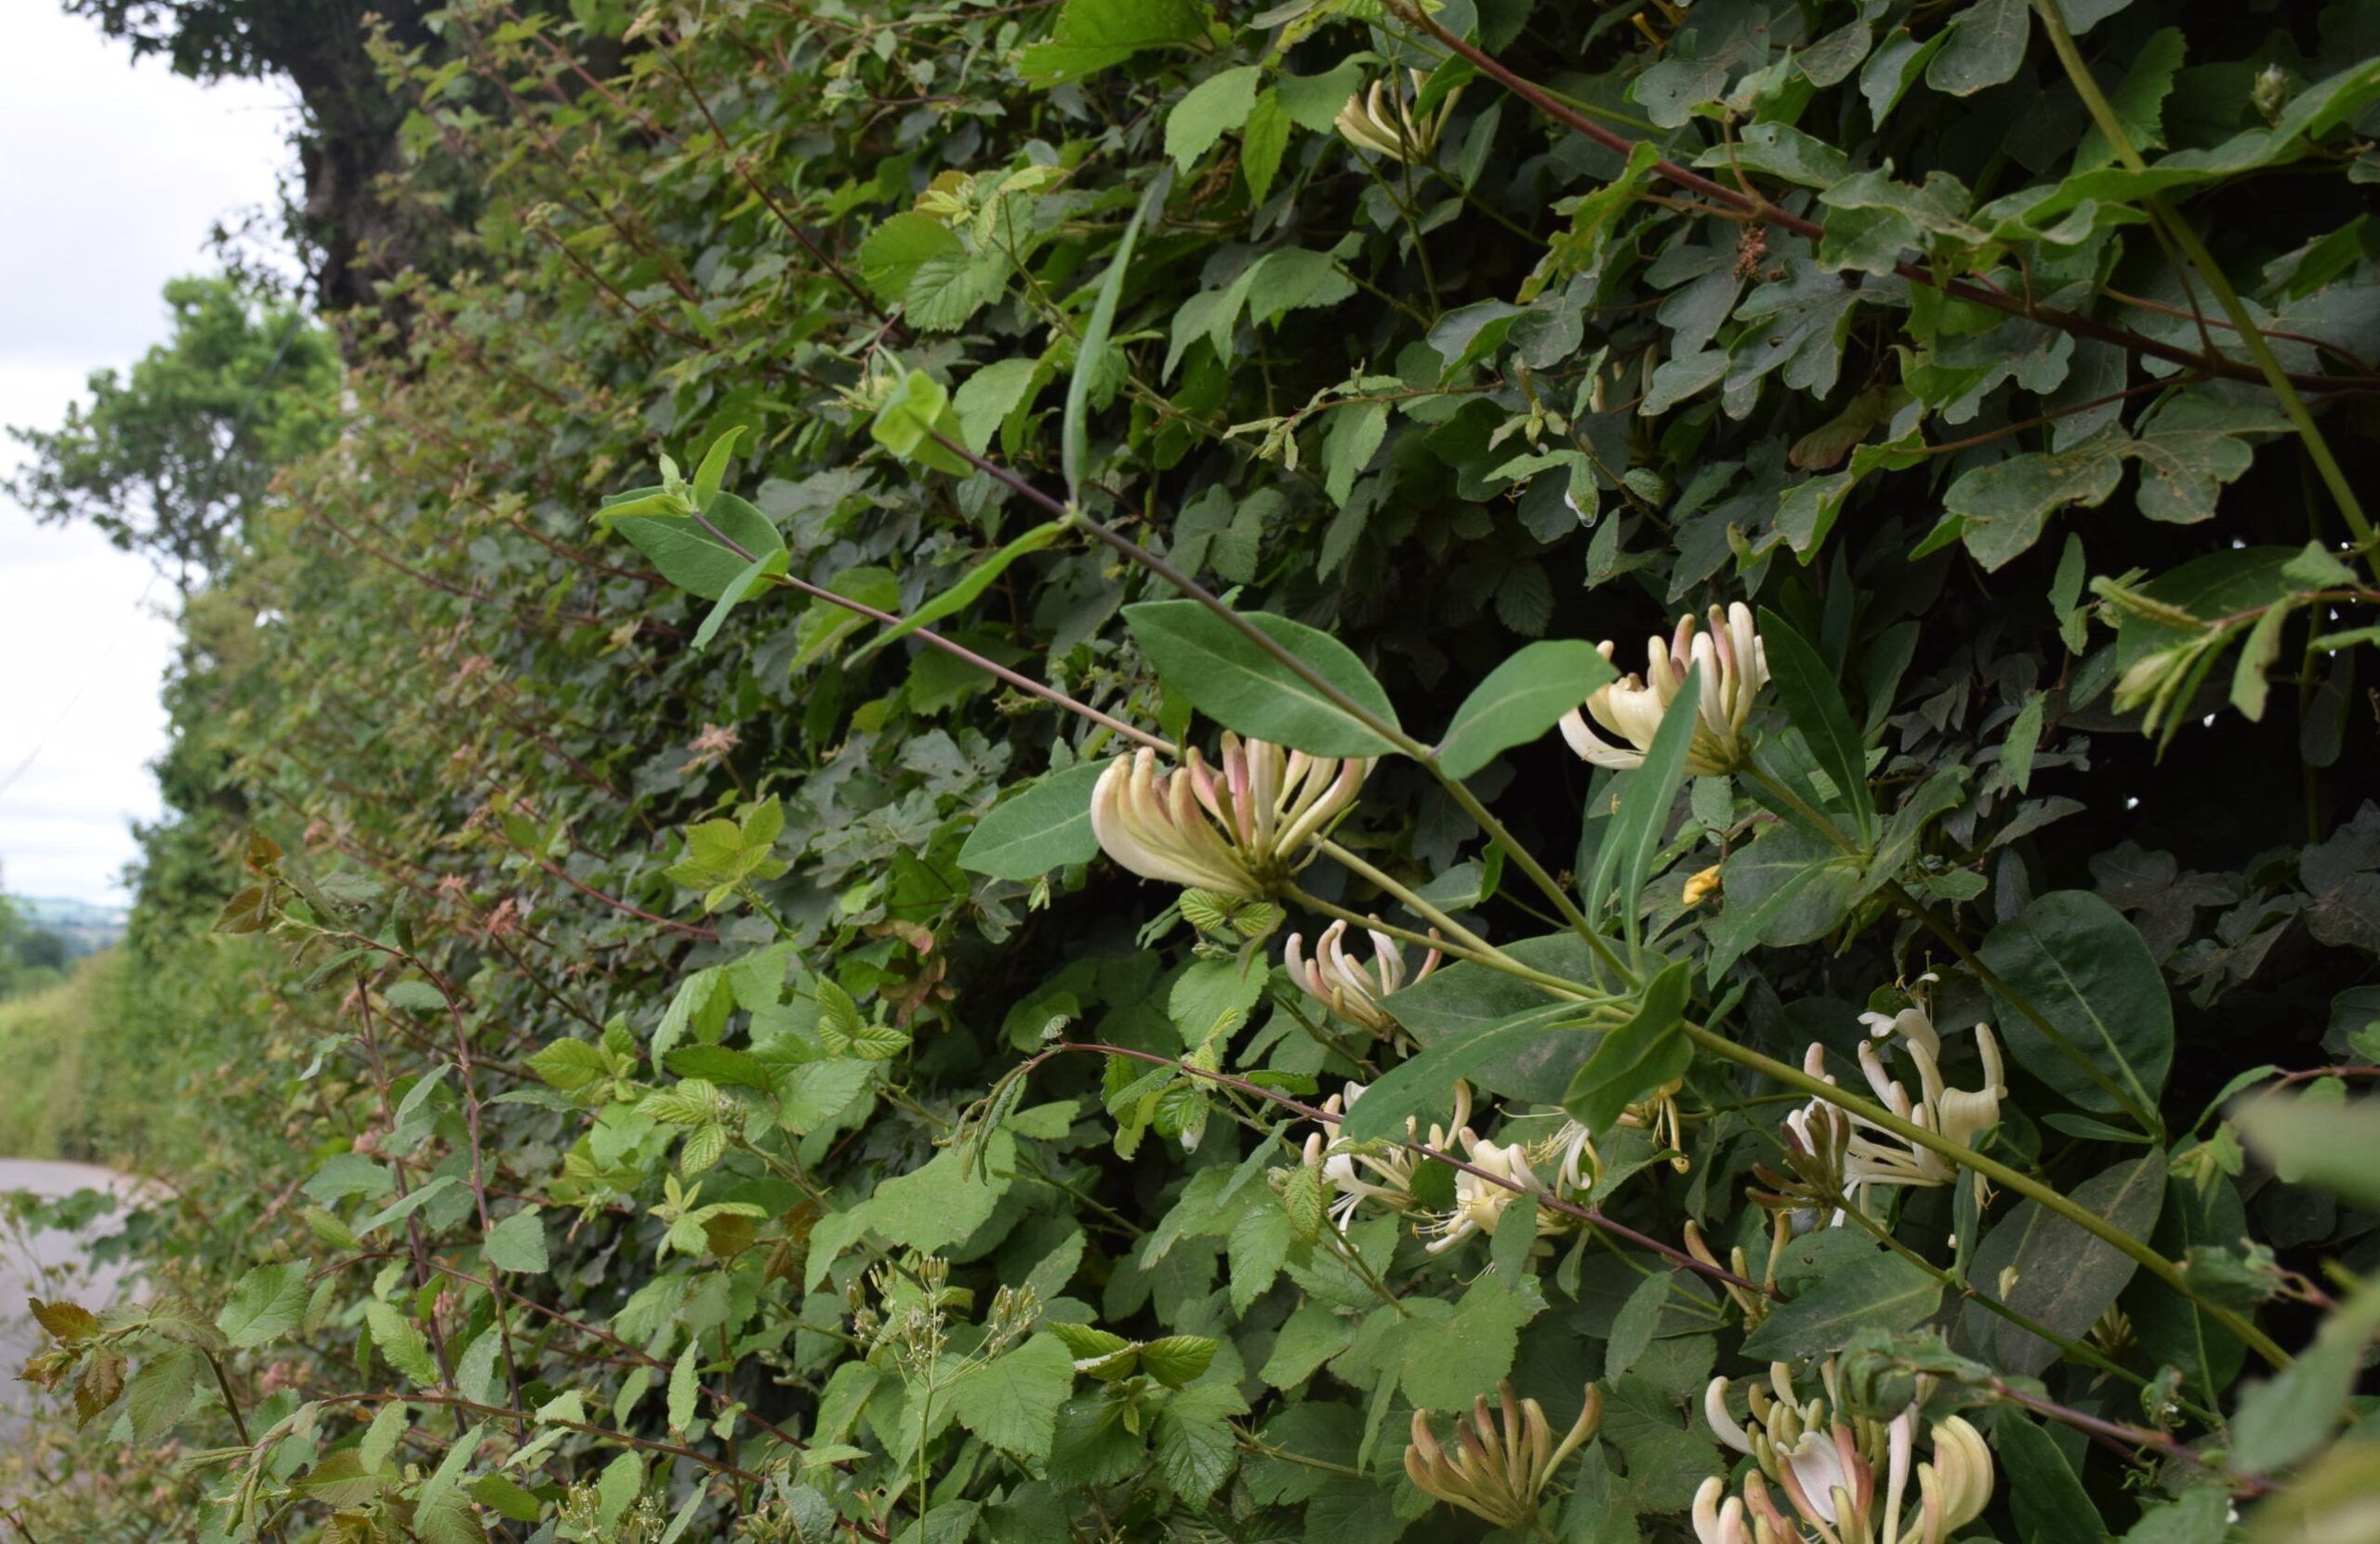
(740, 1064)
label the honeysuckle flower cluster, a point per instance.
(1378, 1172)
(1735, 667)
(1835, 1153)
(1496, 1469)
(1753, 1305)
(1236, 830)
(1827, 1469)
(1372, 121)
(1481, 1200)
(1353, 991)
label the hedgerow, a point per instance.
(954, 860)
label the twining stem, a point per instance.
(2185, 236)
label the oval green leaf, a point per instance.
(1046, 827)
(2109, 1039)
(1242, 687)
(1520, 700)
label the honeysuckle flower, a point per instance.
(1877, 1157)
(1352, 991)
(1377, 1172)
(1829, 1476)
(1480, 1201)
(1914, 1024)
(1569, 1154)
(1496, 1471)
(1372, 122)
(1753, 1305)
(1236, 830)
(1735, 667)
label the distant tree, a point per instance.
(168, 458)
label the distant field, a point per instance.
(42, 1041)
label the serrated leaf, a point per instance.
(265, 1305)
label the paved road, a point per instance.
(50, 1263)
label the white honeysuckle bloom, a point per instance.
(1352, 991)
(1384, 1174)
(1480, 1203)
(1372, 122)
(1877, 1157)
(1236, 834)
(1570, 1154)
(1831, 1484)
(1914, 1024)
(1735, 667)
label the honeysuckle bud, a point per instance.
(1352, 991)
(1735, 667)
(1372, 122)
(1703, 884)
(1497, 1468)
(1754, 1305)
(1237, 830)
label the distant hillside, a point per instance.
(83, 927)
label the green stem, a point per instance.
(2180, 232)
(1481, 949)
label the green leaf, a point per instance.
(1813, 702)
(518, 1242)
(1092, 34)
(2074, 960)
(1046, 825)
(740, 588)
(2065, 1279)
(2138, 101)
(1520, 700)
(905, 424)
(713, 470)
(160, 1394)
(1648, 1050)
(1262, 143)
(894, 250)
(2049, 1503)
(1506, 1057)
(1093, 348)
(265, 1305)
(1624, 859)
(1208, 111)
(1012, 1400)
(1195, 1446)
(1178, 1360)
(1787, 887)
(1986, 46)
(1843, 1282)
(2330, 1146)
(683, 1388)
(1225, 676)
(401, 1343)
(2286, 1418)
(1632, 1327)
(962, 594)
(1445, 1365)
(707, 554)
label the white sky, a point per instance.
(112, 176)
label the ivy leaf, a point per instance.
(1242, 687)
(1986, 45)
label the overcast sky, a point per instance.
(112, 177)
